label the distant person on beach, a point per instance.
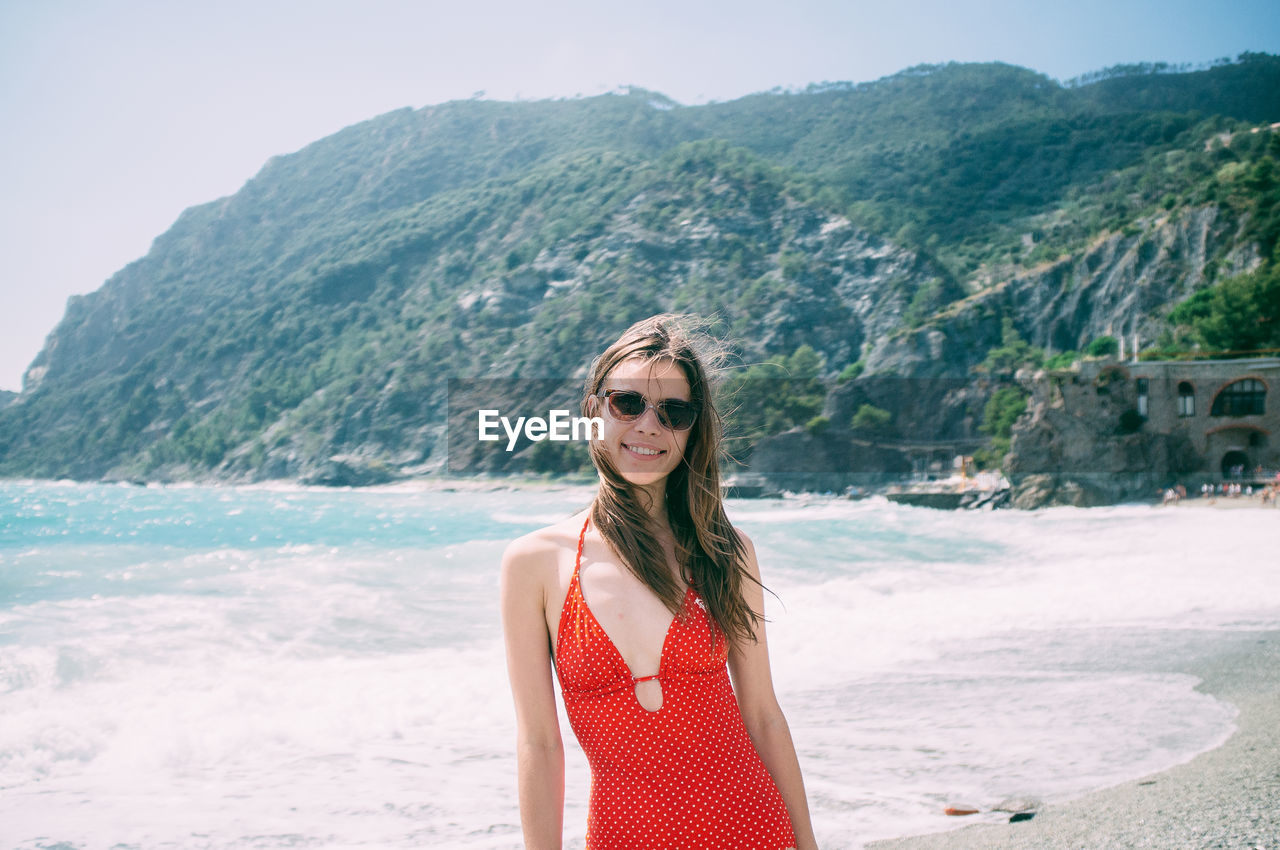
(643, 604)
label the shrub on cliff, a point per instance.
(773, 396)
(1004, 408)
(1240, 315)
(870, 419)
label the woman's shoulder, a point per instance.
(545, 547)
(747, 545)
(749, 560)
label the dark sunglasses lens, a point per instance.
(626, 405)
(677, 415)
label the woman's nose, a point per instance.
(649, 421)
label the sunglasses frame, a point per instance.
(664, 419)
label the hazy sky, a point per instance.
(117, 116)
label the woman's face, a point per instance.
(643, 450)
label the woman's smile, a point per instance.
(643, 452)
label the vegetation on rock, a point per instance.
(935, 222)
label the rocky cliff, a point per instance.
(1122, 284)
(1073, 447)
(337, 374)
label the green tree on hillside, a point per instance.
(1241, 314)
(783, 392)
(869, 419)
(1014, 352)
(1003, 409)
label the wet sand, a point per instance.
(1225, 798)
(1226, 502)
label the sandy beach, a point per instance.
(1226, 502)
(1225, 798)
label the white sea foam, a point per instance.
(340, 683)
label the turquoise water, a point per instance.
(239, 667)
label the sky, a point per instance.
(116, 116)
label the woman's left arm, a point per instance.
(753, 684)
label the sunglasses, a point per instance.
(628, 405)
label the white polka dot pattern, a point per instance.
(684, 776)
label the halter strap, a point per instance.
(582, 535)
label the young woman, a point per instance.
(645, 603)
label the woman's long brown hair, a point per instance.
(707, 547)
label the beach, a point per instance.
(1228, 797)
(262, 667)
(1226, 502)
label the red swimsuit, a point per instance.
(685, 776)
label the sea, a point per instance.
(272, 667)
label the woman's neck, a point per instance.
(653, 499)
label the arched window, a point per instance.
(1186, 399)
(1246, 397)
(1143, 394)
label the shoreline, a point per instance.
(499, 483)
(1227, 503)
(1227, 797)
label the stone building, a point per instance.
(1106, 431)
(1219, 409)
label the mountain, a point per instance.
(316, 324)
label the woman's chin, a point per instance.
(644, 477)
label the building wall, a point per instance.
(1253, 441)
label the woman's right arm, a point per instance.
(528, 568)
